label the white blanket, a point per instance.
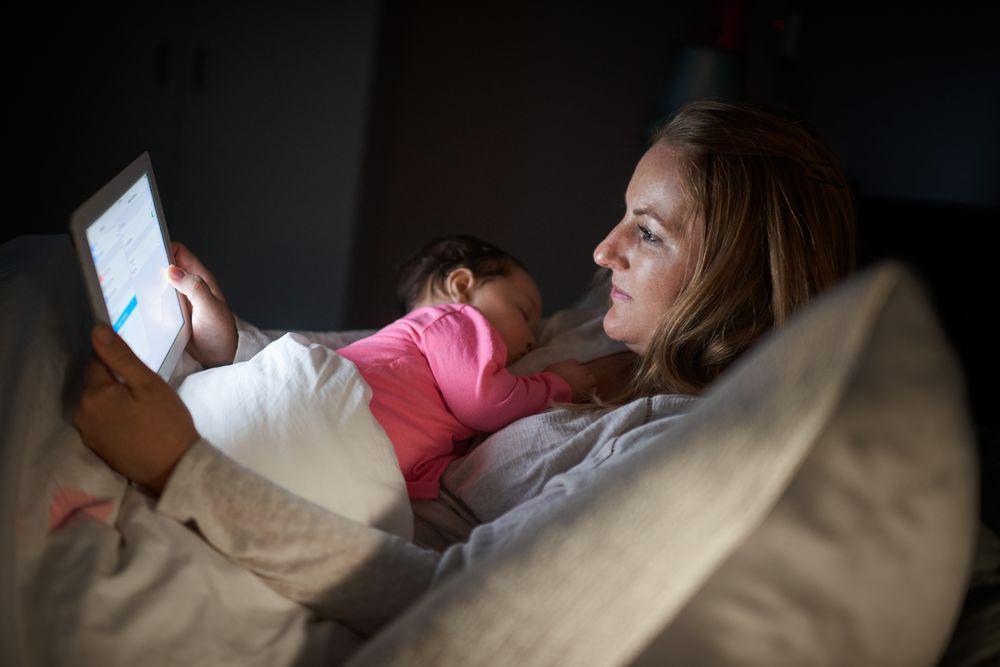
(297, 413)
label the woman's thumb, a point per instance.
(188, 284)
(118, 356)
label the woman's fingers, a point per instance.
(187, 261)
(100, 390)
(193, 286)
(141, 434)
(96, 376)
(213, 334)
(119, 358)
(185, 304)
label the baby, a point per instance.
(438, 375)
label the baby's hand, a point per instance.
(578, 376)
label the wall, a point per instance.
(254, 115)
(523, 126)
(517, 124)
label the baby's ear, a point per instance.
(459, 284)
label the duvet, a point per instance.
(297, 413)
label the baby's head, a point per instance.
(464, 269)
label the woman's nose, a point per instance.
(609, 255)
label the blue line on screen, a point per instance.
(125, 313)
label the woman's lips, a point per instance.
(619, 294)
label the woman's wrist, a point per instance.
(157, 486)
(158, 482)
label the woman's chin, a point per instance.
(612, 327)
(614, 331)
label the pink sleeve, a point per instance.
(467, 357)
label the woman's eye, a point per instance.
(646, 235)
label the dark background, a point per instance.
(303, 149)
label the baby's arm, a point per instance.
(467, 358)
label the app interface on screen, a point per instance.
(132, 269)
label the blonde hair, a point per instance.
(779, 228)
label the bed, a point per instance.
(821, 502)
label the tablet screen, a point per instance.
(131, 261)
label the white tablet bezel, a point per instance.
(88, 213)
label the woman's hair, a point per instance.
(430, 266)
(779, 227)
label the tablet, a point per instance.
(121, 239)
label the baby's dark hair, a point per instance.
(432, 264)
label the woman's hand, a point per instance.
(213, 326)
(140, 427)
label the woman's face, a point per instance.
(651, 250)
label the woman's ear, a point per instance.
(459, 284)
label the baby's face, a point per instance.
(513, 305)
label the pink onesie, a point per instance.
(438, 378)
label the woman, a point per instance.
(735, 217)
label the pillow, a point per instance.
(866, 556)
(817, 506)
(297, 413)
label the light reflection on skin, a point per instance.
(650, 251)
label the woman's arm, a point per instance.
(341, 569)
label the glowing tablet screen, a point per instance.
(131, 262)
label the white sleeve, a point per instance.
(250, 340)
(342, 570)
(355, 574)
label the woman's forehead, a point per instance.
(656, 181)
(657, 188)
